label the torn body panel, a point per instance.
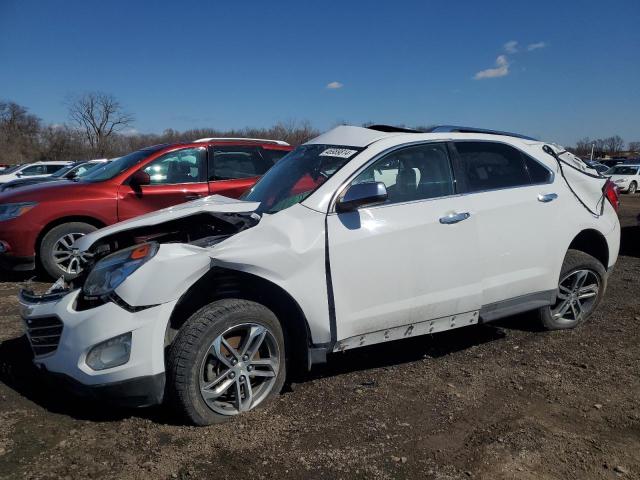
(286, 249)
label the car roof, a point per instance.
(348, 135)
(240, 139)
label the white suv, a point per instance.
(360, 236)
(31, 170)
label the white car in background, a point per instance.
(36, 169)
(359, 236)
(626, 177)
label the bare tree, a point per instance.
(614, 144)
(583, 147)
(99, 115)
(18, 133)
(634, 147)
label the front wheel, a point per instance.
(633, 188)
(57, 254)
(583, 281)
(228, 358)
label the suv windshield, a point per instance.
(107, 171)
(64, 170)
(623, 171)
(11, 169)
(297, 175)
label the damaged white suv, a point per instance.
(360, 236)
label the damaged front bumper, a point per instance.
(61, 338)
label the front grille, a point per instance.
(44, 334)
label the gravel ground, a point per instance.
(495, 401)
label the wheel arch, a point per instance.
(594, 243)
(220, 283)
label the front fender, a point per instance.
(167, 276)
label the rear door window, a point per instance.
(491, 166)
(53, 168)
(229, 162)
(273, 156)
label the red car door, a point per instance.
(175, 177)
(234, 169)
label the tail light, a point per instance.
(612, 193)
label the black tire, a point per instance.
(633, 187)
(576, 261)
(192, 347)
(45, 254)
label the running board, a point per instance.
(406, 331)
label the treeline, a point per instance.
(100, 127)
(610, 146)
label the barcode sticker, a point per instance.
(338, 152)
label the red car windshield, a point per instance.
(109, 170)
(297, 175)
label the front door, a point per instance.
(411, 259)
(176, 177)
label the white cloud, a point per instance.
(501, 69)
(511, 46)
(334, 85)
(536, 46)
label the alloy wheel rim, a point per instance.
(577, 294)
(67, 258)
(239, 369)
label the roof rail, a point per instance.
(446, 129)
(458, 129)
(391, 128)
(238, 139)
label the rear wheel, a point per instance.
(583, 281)
(228, 358)
(57, 255)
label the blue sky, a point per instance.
(186, 64)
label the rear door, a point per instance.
(176, 177)
(232, 170)
(514, 203)
(412, 259)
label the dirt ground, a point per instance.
(495, 401)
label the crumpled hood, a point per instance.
(212, 204)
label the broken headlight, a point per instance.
(111, 271)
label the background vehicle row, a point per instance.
(39, 223)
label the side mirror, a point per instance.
(362, 195)
(19, 174)
(139, 179)
(71, 175)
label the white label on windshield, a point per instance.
(338, 152)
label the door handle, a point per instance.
(454, 218)
(192, 196)
(547, 197)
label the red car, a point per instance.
(39, 224)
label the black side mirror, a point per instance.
(139, 179)
(362, 195)
(19, 174)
